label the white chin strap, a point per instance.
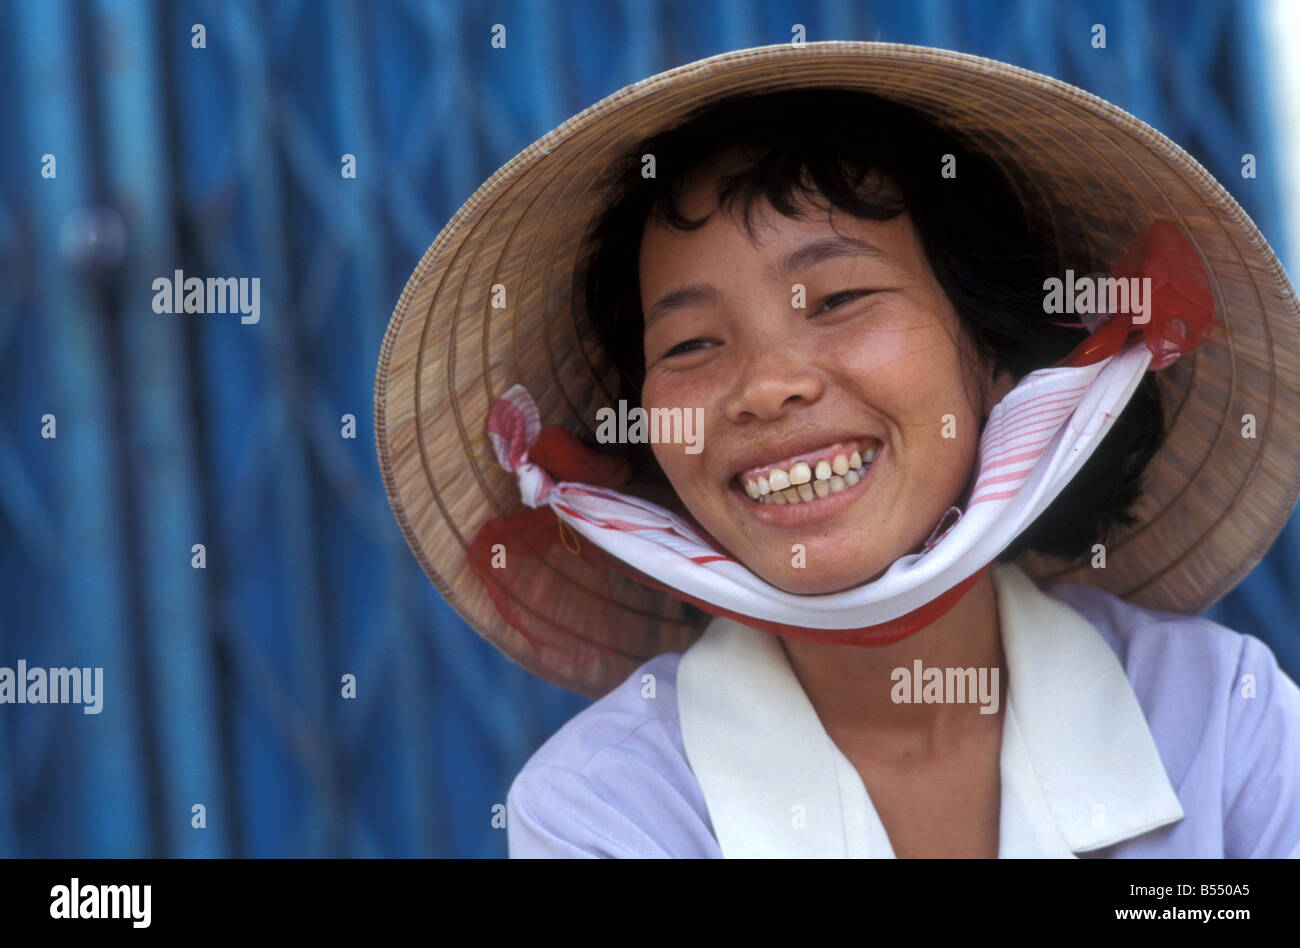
(1035, 441)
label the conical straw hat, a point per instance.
(1089, 174)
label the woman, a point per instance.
(851, 295)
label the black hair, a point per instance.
(874, 159)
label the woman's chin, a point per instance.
(805, 581)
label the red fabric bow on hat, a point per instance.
(1180, 308)
(530, 536)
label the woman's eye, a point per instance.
(688, 346)
(831, 301)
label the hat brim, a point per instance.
(1090, 175)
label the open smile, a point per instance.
(816, 484)
(812, 475)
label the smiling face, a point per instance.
(847, 395)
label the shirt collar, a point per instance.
(1080, 769)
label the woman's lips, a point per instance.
(811, 475)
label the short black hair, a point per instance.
(972, 227)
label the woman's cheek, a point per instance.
(674, 461)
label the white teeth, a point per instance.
(806, 481)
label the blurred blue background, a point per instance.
(223, 684)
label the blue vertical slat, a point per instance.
(642, 40)
(357, 202)
(110, 817)
(156, 386)
(292, 487)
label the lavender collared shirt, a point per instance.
(615, 781)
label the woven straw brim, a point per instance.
(1091, 177)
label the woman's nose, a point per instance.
(769, 381)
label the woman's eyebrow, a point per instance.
(813, 252)
(824, 248)
(682, 296)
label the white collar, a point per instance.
(1080, 770)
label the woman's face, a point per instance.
(864, 385)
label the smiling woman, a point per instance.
(927, 584)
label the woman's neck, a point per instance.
(869, 696)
